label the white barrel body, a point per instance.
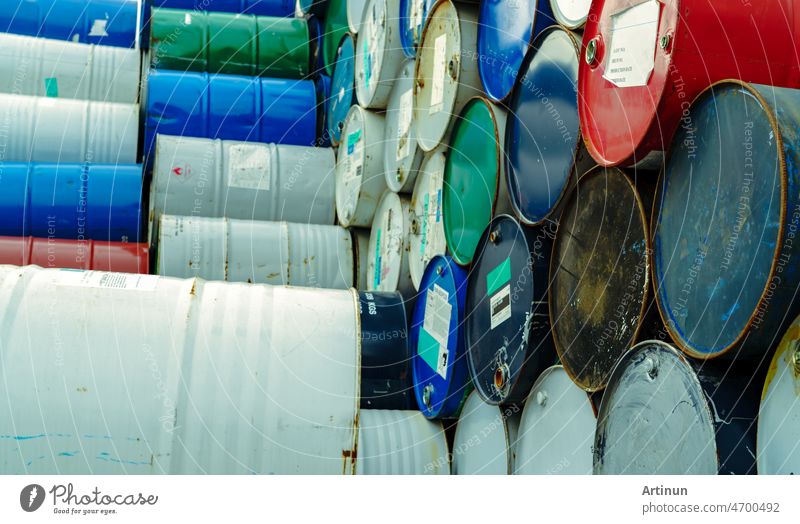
(400, 443)
(388, 246)
(402, 156)
(426, 238)
(361, 245)
(277, 253)
(379, 53)
(250, 181)
(142, 374)
(355, 10)
(572, 14)
(58, 130)
(61, 69)
(485, 437)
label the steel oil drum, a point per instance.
(779, 415)
(233, 44)
(556, 432)
(252, 7)
(474, 177)
(412, 17)
(725, 221)
(333, 30)
(426, 238)
(507, 327)
(400, 443)
(250, 181)
(544, 148)
(355, 13)
(379, 57)
(644, 63)
(505, 30)
(322, 83)
(69, 131)
(230, 107)
(59, 69)
(74, 254)
(571, 14)
(600, 285)
(446, 75)
(277, 253)
(662, 414)
(389, 268)
(361, 256)
(342, 89)
(360, 181)
(485, 438)
(176, 397)
(387, 380)
(441, 374)
(401, 157)
(71, 201)
(105, 22)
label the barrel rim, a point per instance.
(329, 113)
(357, 408)
(562, 19)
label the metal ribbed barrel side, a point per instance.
(320, 256)
(74, 254)
(484, 440)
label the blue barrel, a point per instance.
(251, 7)
(342, 88)
(323, 85)
(441, 373)
(230, 107)
(71, 201)
(413, 14)
(726, 219)
(314, 7)
(505, 29)
(315, 27)
(105, 22)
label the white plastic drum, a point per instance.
(485, 437)
(400, 443)
(379, 53)
(388, 268)
(359, 168)
(361, 256)
(445, 79)
(277, 253)
(426, 238)
(557, 429)
(571, 14)
(402, 156)
(355, 11)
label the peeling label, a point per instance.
(632, 45)
(102, 279)
(249, 167)
(500, 306)
(439, 72)
(51, 87)
(187, 19)
(436, 323)
(99, 28)
(404, 124)
(376, 281)
(353, 171)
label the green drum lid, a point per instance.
(335, 28)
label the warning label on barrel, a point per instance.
(498, 287)
(102, 279)
(632, 45)
(439, 71)
(249, 167)
(404, 124)
(438, 312)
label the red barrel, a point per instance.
(74, 254)
(644, 62)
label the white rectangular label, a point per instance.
(438, 313)
(404, 124)
(249, 167)
(631, 50)
(102, 279)
(500, 306)
(439, 72)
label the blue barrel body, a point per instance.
(441, 373)
(413, 14)
(505, 29)
(230, 107)
(323, 85)
(106, 22)
(251, 7)
(71, 201)
(315, 28)
(342, 89)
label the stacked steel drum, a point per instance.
(400, 236)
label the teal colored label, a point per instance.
(428, 349)
(367, 63)
(352, 140)
(438, 206)
(423, 237)
(377, 276)
(498, 277)
(51, 87)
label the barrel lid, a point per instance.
(323, 87)
(413, 14)
(355, 13)
(402, 156)
(371, 52)
(541, 149)
(334, 29)
(441, 375)
(505, 29)
(717, 226)
(618, 103)
(388, 260)
(350, 165)
(557, 428)
(779, 414)
(426, 239)
(471, 178)
(342, 88)
(571, 14)
(654, 418)
(483, 442)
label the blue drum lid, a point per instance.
(505, 29)
(413, 14)
(441, 374)
(342, 88)
(543, 130)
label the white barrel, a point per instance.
(359, 167)
(388, 246)
(572, 14)
(485, 437)
(41, 129)
(401, 156)
(143, 374)
(361, 257)
(400, 443)
(278, 253)
(557, 429)
(61, 69)
(379, 53)
(426, 238)
(246, 180)
(355, 11)
(446, 77)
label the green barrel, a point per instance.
(335, 28)
(231, 44)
